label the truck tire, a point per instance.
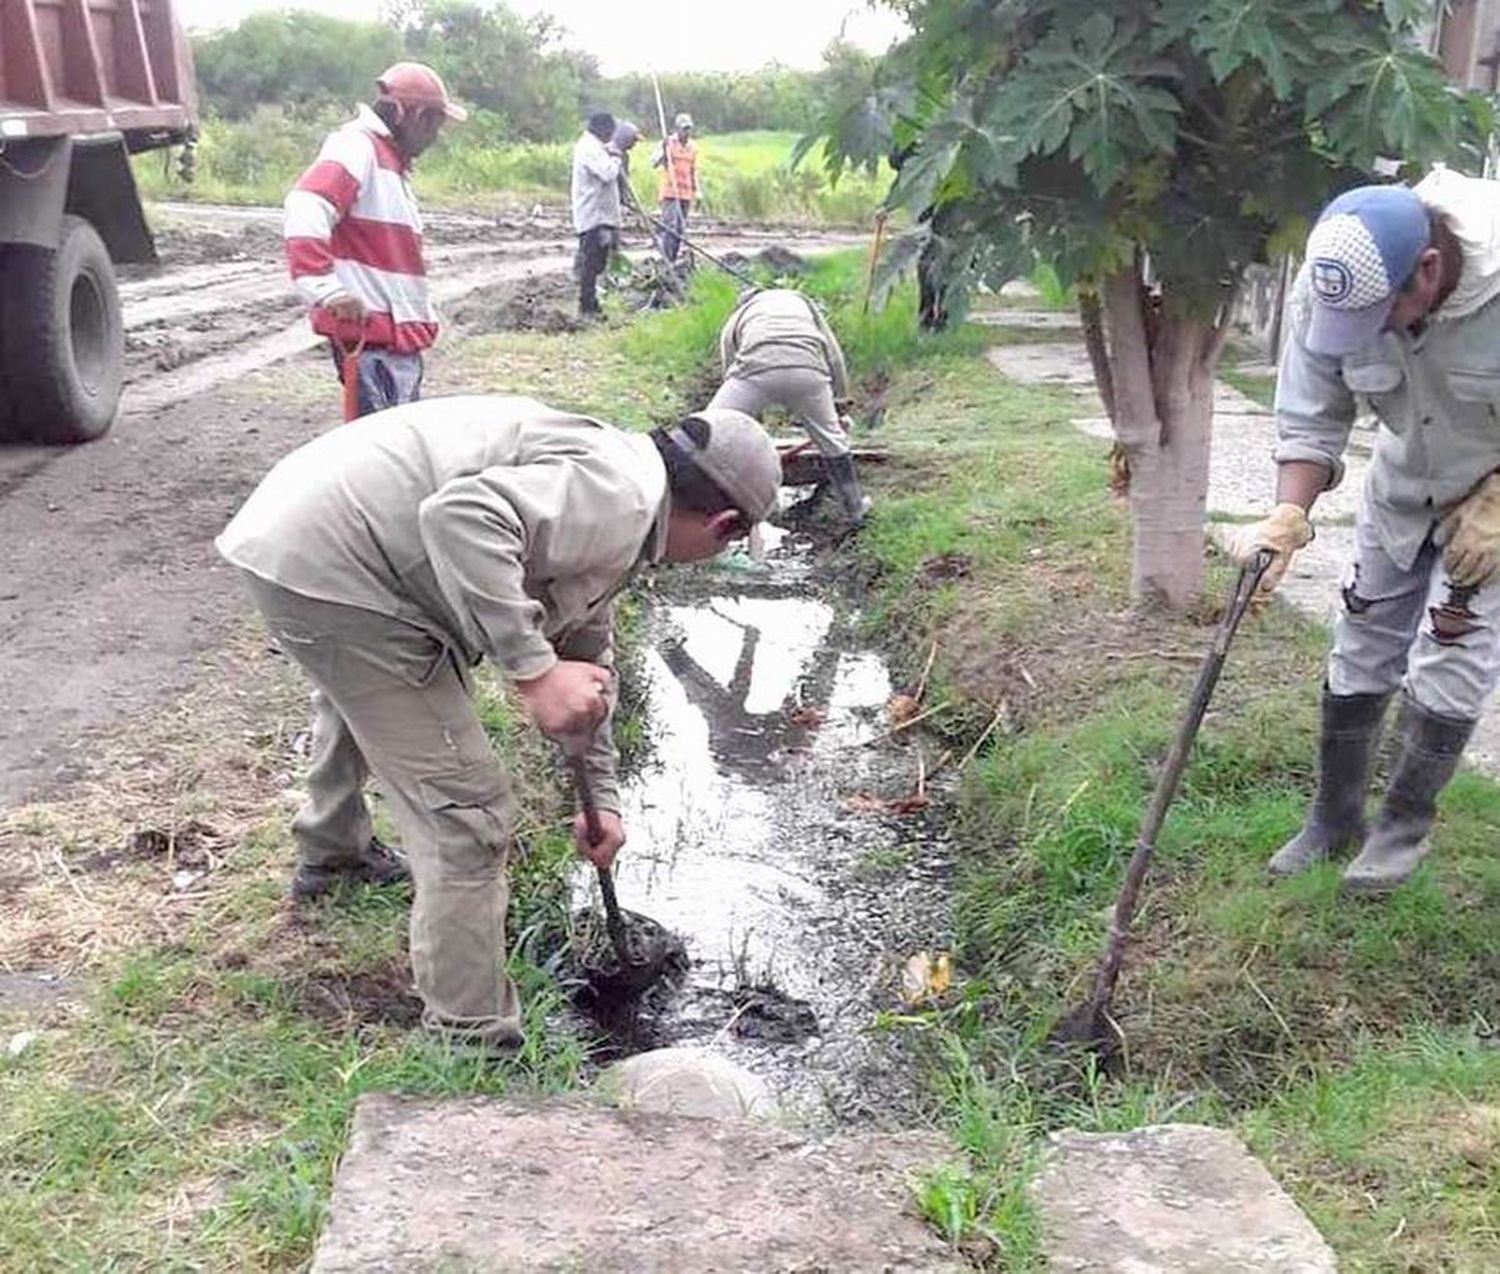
(62, 339)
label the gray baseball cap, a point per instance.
(739, 456)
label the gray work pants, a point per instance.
(674, 214)
(391, 699)
(806, 394)
(1414, 626)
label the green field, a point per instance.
(743, 174)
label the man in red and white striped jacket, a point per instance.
(354, 236)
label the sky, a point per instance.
(664, 35)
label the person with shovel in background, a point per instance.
(778, 350)
(354, 239)
(388, 558)
(1399, 303)
(601, 169)
(678, 188)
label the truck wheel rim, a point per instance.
(89, 322)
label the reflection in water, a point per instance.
(739, 841)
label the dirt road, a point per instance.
(111, 594)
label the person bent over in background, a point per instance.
(778, 350)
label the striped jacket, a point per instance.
(352, 229)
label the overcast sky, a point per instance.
(640, 35)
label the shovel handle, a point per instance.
(614, 922)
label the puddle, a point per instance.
(797, 912)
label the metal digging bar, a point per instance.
(1089, 1024)
(634, 970)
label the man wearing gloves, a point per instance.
(1397, 303)
(600, 168)
(387, 559)
(778, 350)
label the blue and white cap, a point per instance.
(1359, 255)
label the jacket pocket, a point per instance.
(1373, 379)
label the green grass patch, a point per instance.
(256, 161)
(1337, 1035)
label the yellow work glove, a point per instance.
(1284, 530)
(1470, 535)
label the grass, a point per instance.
(744, 175)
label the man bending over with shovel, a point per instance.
(388, 558)
(778, 350)
(1398, 302)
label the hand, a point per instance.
(611, 838)
(1283, 531)
(346, 309)
(1470, 534)
(570, 698)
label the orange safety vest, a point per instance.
(679, 175)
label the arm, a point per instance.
(321, 199)
(595, 644)
(1314, 414)
(601, 164)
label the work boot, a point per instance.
(377, 864)
(1430, 748)
(1336, 820)
(841, 474)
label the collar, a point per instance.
(366, 119)
(655, 544)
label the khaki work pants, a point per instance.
(391, 699)
(806, 394)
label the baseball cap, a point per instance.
(1359, 255)
(683, 120)
(738, 455)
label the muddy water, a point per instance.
(797, 912)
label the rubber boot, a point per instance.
(1430, 748)
(378, 864)
(841, 474)
(1336, 820)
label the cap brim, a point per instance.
(1335, 333)
(455, 112)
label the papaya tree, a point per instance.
(1149, 151)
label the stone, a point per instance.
(565, 1184)
(686, 1081)
(1170, 1199)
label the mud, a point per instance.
(797, 909)
(543, 303)
(382, 997)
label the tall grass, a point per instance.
(742, 175)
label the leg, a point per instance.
(589, 267)
(674, 222)
(408, 712)
(809, 397)
(335, 839)
(1452, 671)
(1382, 607)
(748, 396)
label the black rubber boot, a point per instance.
(1430, 749)
(841, 474)
(378, 864)
(1336, 820)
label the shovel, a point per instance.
(1089, 1025)
(634, 970)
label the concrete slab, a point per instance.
(35, 991)
(566, 1185)
(1173, 1199)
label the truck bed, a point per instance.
(76, 67)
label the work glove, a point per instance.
(1470, 536)
(1283, 531)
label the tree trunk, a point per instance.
(1163, 420)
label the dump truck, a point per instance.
(84, 84)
